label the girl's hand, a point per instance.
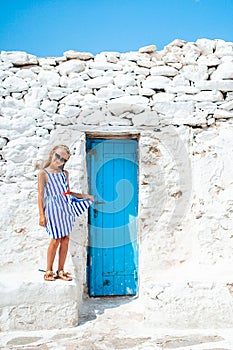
(42, 221)
(89, 196)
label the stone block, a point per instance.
(29, 303)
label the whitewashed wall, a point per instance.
(180, 101)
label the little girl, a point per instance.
(58, 208)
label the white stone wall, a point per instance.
(179, 100)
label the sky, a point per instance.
(50, 27)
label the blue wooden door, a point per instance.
(113, 245)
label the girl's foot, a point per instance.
(65, 276)
(49, 276)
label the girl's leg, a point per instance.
(63, 252)
(51, 253)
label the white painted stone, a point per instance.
(49, 106)
(18, 95)
(206, 107)
(93, 73)
(110, 73)
(164, 70)
(75, 83)
(40, 131)
(114, 121)
(206, 46)
(69, 111)
(4, 74)
(146, 118)
(210, 121)
(8, 112)
(3, 142)
(24, 117)
(18, 58)
(15, 150)
(180, 80)
(146, 92)
(147, 49)
(104, 65)
(229, 96)
(191, 57)
(176, 65)
(34, 96)
(171, 108)
(209, 60)
(141, 70)
(211, 96)
(156, 82)
(5, 123)
(64, 81)
(145, 63)
(122, 105)
(223, 71)
(58, 93)
(47, 61)
(223, 48)
(61, 119)
(227, 105)
(84, 90)
(49, 78)
(132, 56)
(71, 99)
(163, 97)
(128, 69)
(176, 42)
(173, 57)
(10, 102)
(109, 92)
(99, 82)
(185, 178)
(221, 113)
(65, 68)
(5, 65)
(195, 73)
(89, 100)
(128, 65)
(100, 57)
(123, 80)
(221, 85)
(131, 90)
(112, 58)
(26, 74)
(14, 84)
(83, 56)
(179, 89)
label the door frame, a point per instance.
(115, 136)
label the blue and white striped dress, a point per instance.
(60, 210)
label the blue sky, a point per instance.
(50, 27)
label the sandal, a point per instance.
(49, 276)
(65, 276)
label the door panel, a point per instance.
(113, 249)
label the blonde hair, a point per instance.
(51, 153)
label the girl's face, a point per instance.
(59, 158)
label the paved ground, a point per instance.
(103, 327)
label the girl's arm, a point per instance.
(41, 184)
(77, 195)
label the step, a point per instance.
(27, 302)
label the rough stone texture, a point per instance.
(180, 101)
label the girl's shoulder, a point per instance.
(66, 172)
(42, 174)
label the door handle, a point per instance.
(99, 202)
